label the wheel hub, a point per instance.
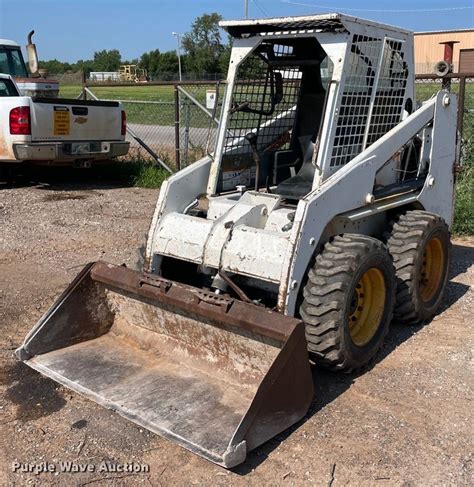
(367, 305)
(431, 272)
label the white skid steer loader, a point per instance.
(322, 212)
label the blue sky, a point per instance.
(73, 29)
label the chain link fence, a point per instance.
(70, 78)
(169, 122)
(463, 86)
(151, 122)
(177, 122)
(199, 112)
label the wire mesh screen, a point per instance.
(264, 100)
(355, 104)
(389, 97)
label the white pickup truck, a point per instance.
(58, 131)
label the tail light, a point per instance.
(20, 122)
(124, 123)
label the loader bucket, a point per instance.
(216, 375)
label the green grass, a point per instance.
(464, 207)
(136, 172)
(140, 92)
(162, 113)
(149, 176)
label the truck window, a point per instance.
(7, 88)
(11, 62)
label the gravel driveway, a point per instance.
(407, 421)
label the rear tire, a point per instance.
(348, 302)
(421, 250)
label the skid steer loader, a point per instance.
(322, 212)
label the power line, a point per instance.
(264, 12)
(332, 8)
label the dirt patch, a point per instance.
(406, 421)
(64, 197)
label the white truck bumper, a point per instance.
(68, 152)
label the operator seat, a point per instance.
(309, 121)
(299, 185)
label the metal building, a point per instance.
(428, 50)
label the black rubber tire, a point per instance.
(327, 298)
(407, 243)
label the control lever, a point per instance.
(251, 138)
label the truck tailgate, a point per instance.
(75, 120)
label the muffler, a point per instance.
(216, 375)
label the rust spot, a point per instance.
(3, 148)
(6, 150)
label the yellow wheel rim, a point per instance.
(367, 306)
(432, 269)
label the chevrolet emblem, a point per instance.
(80, 120)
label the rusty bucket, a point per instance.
(216, 375)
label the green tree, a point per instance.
(151, 62)
(168, 63)
(130, 61)
(54, 66)
(84, 65)
(107, 60)
(203, 45)
(223, 61)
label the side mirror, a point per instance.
(32, 56)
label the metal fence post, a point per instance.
(186, 130)
(84, 84)
(176, 128)
(461, 98)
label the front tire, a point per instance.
(348, 302)
(421, 249)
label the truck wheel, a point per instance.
(348, 302)
(420, 245)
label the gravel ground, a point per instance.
(407, 421)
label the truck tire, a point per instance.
(420, 246)
(348, 302)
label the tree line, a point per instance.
(203, 51)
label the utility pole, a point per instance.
(246, 9)
(178, 38)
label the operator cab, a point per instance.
(275, 118)
(290, 120)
